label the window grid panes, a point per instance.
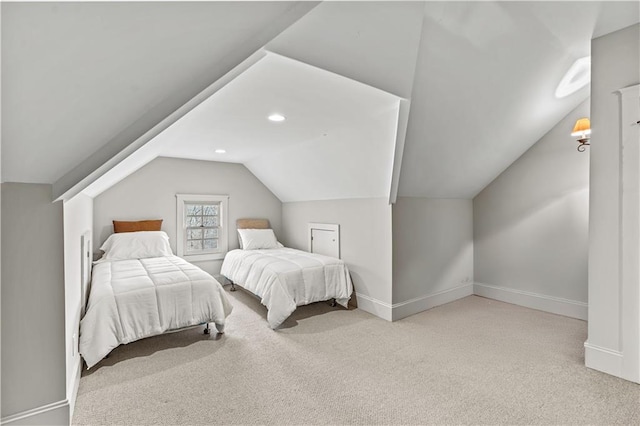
(202, 223)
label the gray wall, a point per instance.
(78, 218)
(615, 64)
(150, 193)
(530, 223)
(432, 246)
(365, 239)
(0, 210)
(33, 305)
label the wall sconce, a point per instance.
(582, 130)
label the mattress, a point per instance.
(286, 278)
(138, 298)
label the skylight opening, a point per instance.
(276, 117)
(578, 76)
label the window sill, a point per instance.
(203, 257)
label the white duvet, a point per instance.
(285, 278)
(133, 299)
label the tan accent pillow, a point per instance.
(140, 225)
(252, 224)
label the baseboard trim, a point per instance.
(554, 305)
(374, 306)
(422, 303)
(602, 359)
(56, 413)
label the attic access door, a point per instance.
(324, 238)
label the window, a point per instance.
(202, 226)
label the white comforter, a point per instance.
(285, 278)
(133, 299)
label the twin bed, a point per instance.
(283, 278)
(140, 289)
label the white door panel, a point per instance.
(324, 239)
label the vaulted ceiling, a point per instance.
(485, 83)
(82, 81)
(78, 76)
(337, 138)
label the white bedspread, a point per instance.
(285, 278)
(133, 299)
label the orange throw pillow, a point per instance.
(140, 225)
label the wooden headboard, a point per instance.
(253, 224)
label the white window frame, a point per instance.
(181, 226)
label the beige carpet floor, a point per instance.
(473, 361)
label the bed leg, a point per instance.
(333, 303)
(233, 286)
(207, 330)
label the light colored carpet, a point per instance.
(473, 361)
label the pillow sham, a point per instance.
(136, 245)
(136, 226)
(278, 243)
(255, 239)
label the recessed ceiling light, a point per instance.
(578, 76)
(276, 117)
(220, 151)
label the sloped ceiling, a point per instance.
(480, 77)
(375, 43)
(337, 139)
(485, 83)
(77, 76)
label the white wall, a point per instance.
(432, 253)
(33, 312)
(365, 243)
(150, 193)
(0, 201)
(615, 65)
(78, 218)
(531, 226)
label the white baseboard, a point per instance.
(374, 306)
(56, 413)
(404, 309)
(603, 359)
(396, 311)
(554, 305)
(422, 303)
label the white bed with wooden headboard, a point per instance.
(283, 278)
(140, 289)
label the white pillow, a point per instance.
(136, 245)
(254, 239)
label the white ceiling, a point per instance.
(337, 139)
(316, 103)
(375, 43)
(485, 84)
(78, 75)
(481, 78)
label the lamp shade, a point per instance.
(582, 127)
